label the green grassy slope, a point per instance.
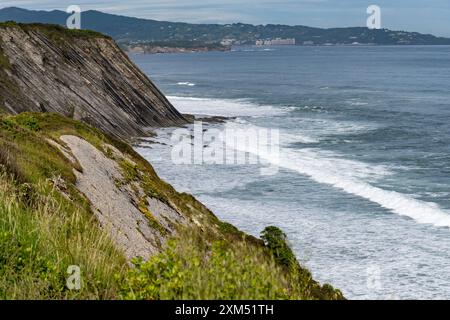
(46, 225)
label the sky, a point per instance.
(425, 16)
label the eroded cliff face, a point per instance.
(81, 75)
(103, 178)
(137, 223)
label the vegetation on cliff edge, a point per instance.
(54, 30)
(46, 225)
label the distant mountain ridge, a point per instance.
(129, 29)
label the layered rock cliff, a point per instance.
(79, 74)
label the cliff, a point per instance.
(73, 195)
(79, 74)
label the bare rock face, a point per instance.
(116, 207)
(82, 75)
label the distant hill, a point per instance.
(128, 29)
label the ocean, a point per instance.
(363, 186)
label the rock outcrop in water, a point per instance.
(79, 74)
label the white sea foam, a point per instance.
(289, 138)
(224, 107)
(357, 103)
(189, 84)
(314, 130)
(354, 177)
(334, 127)
(325, 167)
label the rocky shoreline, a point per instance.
(163, 49)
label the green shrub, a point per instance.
(29, 122)
(276, 241)
(302, 280)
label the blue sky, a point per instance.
(426, 16)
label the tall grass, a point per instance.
(194, 268)
(41, 235)
(191, 269)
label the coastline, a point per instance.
(144, 50)
(225, 196)
(148, 49)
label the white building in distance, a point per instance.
(276, 42)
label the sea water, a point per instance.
(363, 186)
